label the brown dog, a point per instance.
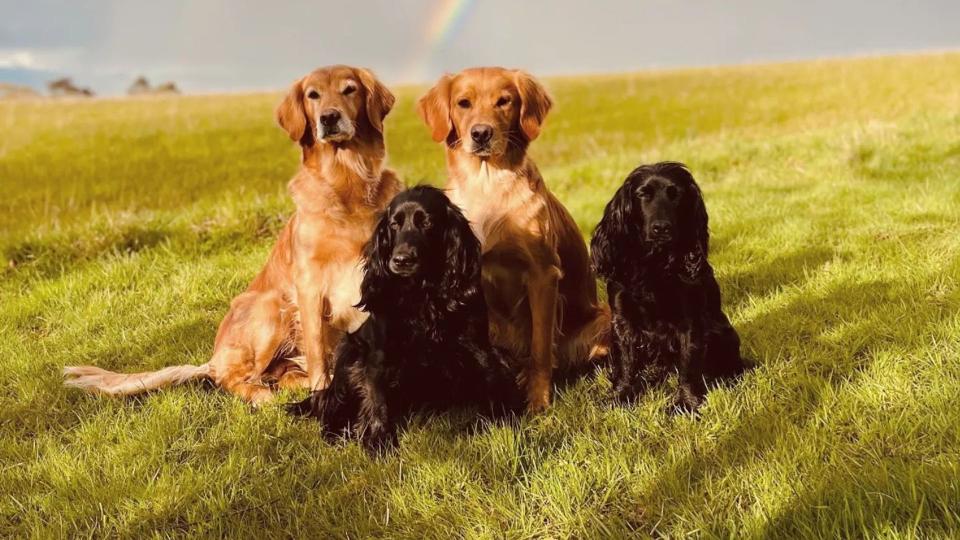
(537, 279)
(304, 297)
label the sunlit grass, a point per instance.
(834, 195)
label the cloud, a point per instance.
(37, 59)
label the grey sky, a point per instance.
(211, 45)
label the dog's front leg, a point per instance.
(692, 388)
(628, 361)
(310, 302)
(377, 424)
(542, 289)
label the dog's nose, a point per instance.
(405, 259)
(481, 133)
(661, 228)
(329, 118)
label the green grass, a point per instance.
(834, 193)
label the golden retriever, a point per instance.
(298, 306)
(537, 279)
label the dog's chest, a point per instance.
(498, 205)
(335, 267)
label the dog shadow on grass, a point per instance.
(766, 278)
(788, 332)
(810, 348)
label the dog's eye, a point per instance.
(504, 100)
(394, 225)
(464, 104)
(421, 220)
(313, 94)
(672, 192)
(646, 193)
(349, 90)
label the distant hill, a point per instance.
(17, 91)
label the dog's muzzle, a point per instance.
(333, 126)
(404, 261)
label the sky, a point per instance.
(235, 45)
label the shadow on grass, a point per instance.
(765, 278)
(822, 352)
(52, 257)
(790, 403)
(902, 495)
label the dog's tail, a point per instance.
(94, 379)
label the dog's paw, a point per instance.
(260, 397)
(538, 404)
(538, 394)
(685, 402)
(380, 443)
(304, 407)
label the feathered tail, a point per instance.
(94, 379)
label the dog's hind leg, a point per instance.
(723, 360)
(247, 344)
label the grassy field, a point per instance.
(834, 192)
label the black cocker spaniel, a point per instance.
(425, 344)
(651, 250)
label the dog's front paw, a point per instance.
(538, 401)
(685, 402)
(625, 395)
(305, 407)
(379, 442)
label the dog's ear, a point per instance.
(694, 233)
(292, 117)
(462, 270)
(376, 258)
(699, 226)
(379, 98)
(535, 103)
(434, 109)
(618, 234)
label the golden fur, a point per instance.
(284, 327)
(537, 279)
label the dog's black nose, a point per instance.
(329, 118)
(661, 228)
(405, 259)
(481, 133)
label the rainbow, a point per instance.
(446, 19)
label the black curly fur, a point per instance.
(426, 343)
(662, 291)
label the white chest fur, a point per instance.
(494, 198)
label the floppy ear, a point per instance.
(379, 98)
(535, 103)
(462, 271)
(695, 235)
(376, 258)
(617, 234)
(434, 109)
(292, 117)
(699, 230)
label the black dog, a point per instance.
(426, 343)
(651, 249)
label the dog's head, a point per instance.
(421, 238)
(333, 104)
(483, 111)
(658, 209)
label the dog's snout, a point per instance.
(405, 258)
(661, 228)
(329, 118)
(481, 133)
